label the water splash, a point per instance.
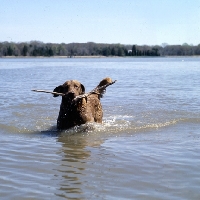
(111, 124)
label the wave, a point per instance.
(111, 124)
(119, 123)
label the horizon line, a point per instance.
(163, 44)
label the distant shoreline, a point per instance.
(93, 50)
(58, 56)
(14, 57)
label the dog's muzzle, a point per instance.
(70, 95)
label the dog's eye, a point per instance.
(76, 86)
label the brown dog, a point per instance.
(83, 110)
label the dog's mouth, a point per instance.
(70, 95)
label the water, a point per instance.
(147, 147)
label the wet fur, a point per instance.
(78, 112)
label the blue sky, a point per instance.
(139, 22)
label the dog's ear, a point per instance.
(59, 89)
(83, 89)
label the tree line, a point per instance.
(36, 48)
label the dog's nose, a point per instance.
(70, 94)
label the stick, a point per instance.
(94, 91)
(61, 94)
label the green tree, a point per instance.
(25, 50)
(155, 52)
(50, 52)
(134, 50)
(119, 52)
(113, 53)
(106, 51)
(9, 51)
(126, 52)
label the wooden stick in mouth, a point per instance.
(97, 90)
(61, 94)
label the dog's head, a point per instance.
(71, 89)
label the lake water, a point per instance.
(148, 146)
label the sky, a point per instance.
(141, 22)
